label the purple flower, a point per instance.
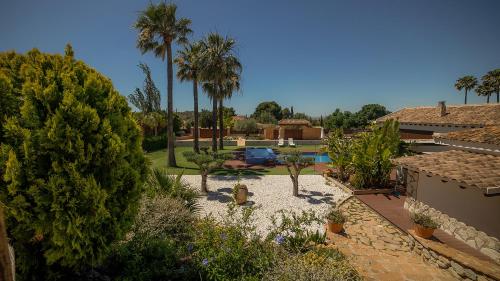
(204, 262)
(279, 239)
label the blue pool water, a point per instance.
(318, 157)
(261, 155)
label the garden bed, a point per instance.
(351, 190)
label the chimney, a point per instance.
(441, 108)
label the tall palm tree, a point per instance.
(485, 89)
(218, 60)
(158, 28)
(188, 61)
(493, 79)
(229, 85)
(467, 83)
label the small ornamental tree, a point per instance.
(295, 162)
(206, 161)
(71, 163)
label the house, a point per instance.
(422, 122)
(460, 187)
(299, 129)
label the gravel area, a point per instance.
(270, 194)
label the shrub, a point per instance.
(148, 258)
(153, 143)
(71, 163)
(160, 182)
(232, 250)
(294, 231)
(339, 150)
(164, 217)
(321, 264)
(372, 153)
(336, 216)
(424, 220)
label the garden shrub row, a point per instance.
(153, 143)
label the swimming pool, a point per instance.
(318, 157)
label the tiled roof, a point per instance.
(473, 169)
(480, 114)
(487, 135)
(300, 122)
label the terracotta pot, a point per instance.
(423, 232)
(334, 227)
(241, 195)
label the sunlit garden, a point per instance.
(104, 177)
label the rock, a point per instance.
(442, 265)
(426, 253)
(470, 274)
(433, 254)
(457, 268)
(444, 260)
(472, 243)
(491, 253)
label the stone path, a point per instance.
(379, 250)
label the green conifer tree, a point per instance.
(71, 163)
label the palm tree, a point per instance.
(493, 79)
(218, 62)
(158, 27)
(229, 85)
(467, 83)
(188, 61)
(485, 89)
(212, 92)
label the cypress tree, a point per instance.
(71, 163)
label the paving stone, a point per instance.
(381, 252)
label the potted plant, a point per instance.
(240, 192)
(424, 225)
(335, 220)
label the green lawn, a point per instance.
(159, 160)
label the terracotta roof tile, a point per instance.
(473, 169)
(301, 122)
(487, 135)
(480, 114)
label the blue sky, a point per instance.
(313, 55)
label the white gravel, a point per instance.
(270, 194)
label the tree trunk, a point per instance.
(6, 264)
(214, 124)
(221, 124)
(170, 108)
(487, 98)
(498, 96)
(295, 185)
(465, 102)
(204, 188)
(196, 144)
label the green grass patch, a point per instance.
(159, 160)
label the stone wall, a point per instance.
(462, 268)
(479, 240)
